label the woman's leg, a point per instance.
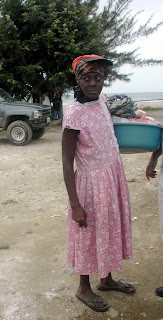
(84, 286)
(88, 297)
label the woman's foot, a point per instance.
(91, 300)
(108, 284)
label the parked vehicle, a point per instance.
(23, 121)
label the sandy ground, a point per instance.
(150, 104)
(36, 283)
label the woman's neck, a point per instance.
(86, 99)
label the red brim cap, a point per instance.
(89, 57)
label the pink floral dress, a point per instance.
(102, 191)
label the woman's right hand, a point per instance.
(79, 215)
(69, 140)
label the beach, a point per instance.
(150, 104)
(36, 283)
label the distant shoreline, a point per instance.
(149, 104)
(144, 104)
(144, 97)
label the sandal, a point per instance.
(123, 287)
(159, 292)
(95, 303)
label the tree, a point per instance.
(40, 38)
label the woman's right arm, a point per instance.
(69, 140)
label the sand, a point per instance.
(150, 104)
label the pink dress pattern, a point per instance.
(102, 191)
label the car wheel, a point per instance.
(19, 132)
(38, 133)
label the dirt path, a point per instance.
(35, 281)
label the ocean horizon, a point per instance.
(135, 96)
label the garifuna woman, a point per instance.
(99, 215)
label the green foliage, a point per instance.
(40, 38)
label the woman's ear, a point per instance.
(108, 69)
(77, 80)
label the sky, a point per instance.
(150, 78)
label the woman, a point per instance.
(99, 223)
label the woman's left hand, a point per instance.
(150, 170)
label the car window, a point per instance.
(4, 96)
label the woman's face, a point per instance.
(91, 85)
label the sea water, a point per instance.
(143, 96)
(135, 96)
